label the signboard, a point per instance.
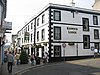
(92, 48)
(7, 25)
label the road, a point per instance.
(78, 67)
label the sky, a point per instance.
(21, 11)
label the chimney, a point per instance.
(73, 4)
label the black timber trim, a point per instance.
(76, 9)
(70, 41)
(49, 35)
(74, 24)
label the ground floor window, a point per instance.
(96, 46)
(57, 51)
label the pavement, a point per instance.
(19, 69)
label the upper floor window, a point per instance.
(85, 24)
(86, 41)
(32, 25)
(96, 34)
(57, 15)
(57, 33)
(43, 18)
(38, 22)
(38, 36)
(43, 34)
(31, 37)
(28, 27)
(95, 20)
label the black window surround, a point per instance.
(86, 41)
(95, 20)
(43, 35)
(85, 22)
(57, 51)
(38, 22)
(57, 15)
(38, 36)
(96, 34)
(43, 18)
(57, 33)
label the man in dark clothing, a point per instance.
(10, 60)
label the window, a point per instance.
(85, 24)
(57, 33)
(57, 15)
(96, 34)
(28, 27)
(95, 20)
(57, 51)
(38, 36)
(43, 34)
(96, 45)
(31, 37)
(38, 22)
(31, 25)
(86, 41)
(43, 18)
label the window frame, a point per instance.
(58, 47)
(59, 18)
(95, 22)
(37, 21)
(86, 43)
(96, 36)
(37, 35)
(87, 27)
(31, 37)
(32, 25)
(43, 34)
(57, 33)
(43, 18)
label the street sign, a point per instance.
(92, 48)
(64, 45)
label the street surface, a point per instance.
(77, 67)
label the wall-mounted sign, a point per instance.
(72, 30)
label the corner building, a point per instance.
(62, 31)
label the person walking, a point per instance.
(18, 58)
(95, 53)
(45, 57)
(32, 59)
(10, 60)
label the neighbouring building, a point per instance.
(4, 27)
(3, 4)
(96, 5)
(62, 31)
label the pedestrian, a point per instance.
(18, 58)
(95, 53)
(45, 57)
(32, 58)
(10, 60)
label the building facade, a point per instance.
(62, 31)
(3, 4)
(96, 5)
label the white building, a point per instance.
(62, 31)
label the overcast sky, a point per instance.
(20, 11)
